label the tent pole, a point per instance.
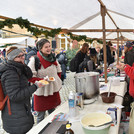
(103, 14)
(117, 47)
(121, 46)
(26, 43)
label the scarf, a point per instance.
(46, 61)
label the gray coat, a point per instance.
(15, 84)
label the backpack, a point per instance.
(37, 62)
(62, 59)
(83, 65)
(73, 65)
(3, 100)
(31, 53)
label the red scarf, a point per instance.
(44, 62)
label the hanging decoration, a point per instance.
(6, 45)
(24, 23)
(84, 37)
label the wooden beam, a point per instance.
(85, 21)
(103, 14)
(98, 30)
(32, 24)
(113, 21)
(117, 47)
(102, 4)
(109, 15)
(121, 14)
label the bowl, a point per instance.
(95, 119)
(107, 99)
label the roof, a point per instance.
(73, 14)
(20, 40)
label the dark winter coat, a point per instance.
(29, 54)
(62, 59)
(14, 80)
(108, 53)
(129, 57)
(79, 58)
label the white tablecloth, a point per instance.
(95, 107)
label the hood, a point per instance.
(8, 66)
(3, 67)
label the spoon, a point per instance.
(101, 124)
(109, 88)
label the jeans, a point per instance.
(32, 106)
(41, 115)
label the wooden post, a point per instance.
(117, 47)
(26, 43)
(103, 14)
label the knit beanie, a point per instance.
(93, 52)
(41, 43)
(128, 44)
(12, 54)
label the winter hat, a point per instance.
(13, 52)
(128, 44)
(93, 52)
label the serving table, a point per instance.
(97, 106)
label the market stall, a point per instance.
(98, 105)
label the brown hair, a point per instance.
(11, 49)
(93, 58)
(84, 48)
(109, 43)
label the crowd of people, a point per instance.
(21, 72)
(89, 58)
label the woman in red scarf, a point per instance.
(46, 98)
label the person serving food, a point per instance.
(47, 97)
(130, 72)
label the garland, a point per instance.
(24, 23)
(6, 45)
(84, 37)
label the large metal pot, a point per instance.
(87, 83)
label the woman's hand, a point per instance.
(39, 84)
(120, 66)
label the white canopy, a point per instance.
(24, 41)
(73, 14)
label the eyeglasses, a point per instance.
(20, 56)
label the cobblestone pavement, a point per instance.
(69, 84)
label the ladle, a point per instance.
(109, 88)
(101, 124)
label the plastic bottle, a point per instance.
(71, 100)
(118, 72)
(85, 70)
(68, 129)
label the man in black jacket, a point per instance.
(129, 53)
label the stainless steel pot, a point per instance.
(88, 84)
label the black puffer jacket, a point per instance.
(79, 58)
(15, 84)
